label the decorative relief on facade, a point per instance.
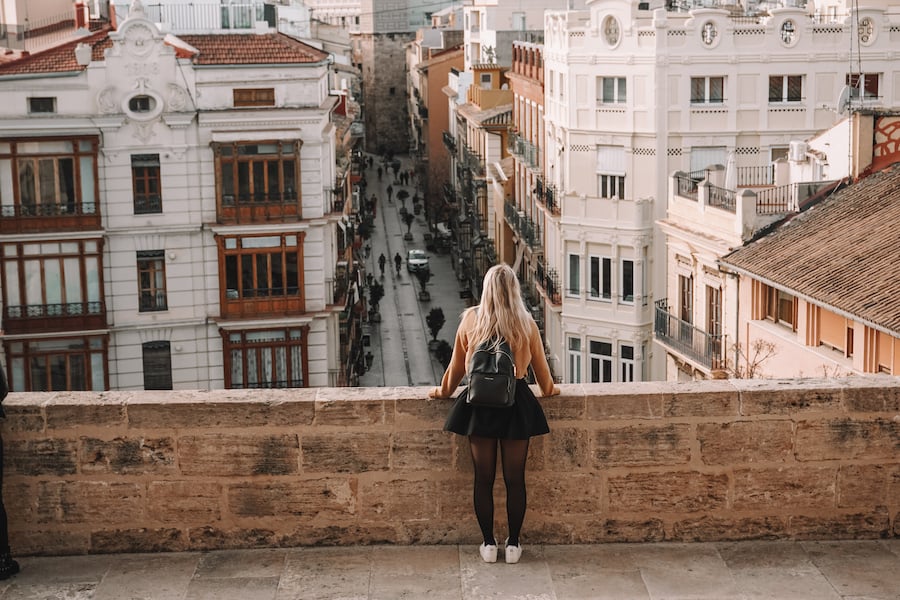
(611, 31)
(866, 31)
(644, 152)
(177, 97)
(144, 131)
(709, 34)
(579, 148)
(673, 152)
(106, 100)
(746, 150)
(788, 32)
(139, 39)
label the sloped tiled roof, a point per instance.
(843, 253)
(251, 49)
(212, 49)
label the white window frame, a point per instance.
(603, 268)
(611, 172)
(623, 297)
(574, 351)
(600, 360)
(619, 91)
(785, 80)
(707, 98)
(573, 267)
(626, 365)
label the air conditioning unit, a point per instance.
(797, 152)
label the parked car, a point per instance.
(416, 260)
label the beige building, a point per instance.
(172, 216)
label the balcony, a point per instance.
(548, 280)
(260, 208)
(472, 160)
(525, 151)
(50, 216)
(522, 224)
(687, 340)
(449, 142)
(550, 199)
(42, 318)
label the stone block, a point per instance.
(560, 496)
(23, 419)
(642, 445)
(743, 442)
(430, 450)
(569, 406)
(863, 486)
(398, 500)
(345, 413)
(796, 488)
(713, 528)
(788, 397)
(706, 399)
(217, 455)
(51, 542)
(131, 456)
(78, 409)
(543, 531)
(673, 491)
(600, 531)
(455, 498)
(430, 411)
(114, 541)
(345, 534)
(340, 452)
(568, 449)
(212, 538)
(19, 501)
(872, 395)
(623, 401)
(49, 456)
(90, 502)
(223, 408)
(325, 498)
(841, 526)
(184, 502)
(848, 439)
(440, 532)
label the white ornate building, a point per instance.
(168, 213)
(635, 92)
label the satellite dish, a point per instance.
(843, 101)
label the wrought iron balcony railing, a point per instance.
(449, 141)
(548, 279)
(522, 224)
(691, 342)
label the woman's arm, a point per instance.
(539, 363)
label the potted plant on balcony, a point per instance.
(435, 321)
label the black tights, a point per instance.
(484, 458)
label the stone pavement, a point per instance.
(399, 342)
(847, 570)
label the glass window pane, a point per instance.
(775, 83)
(716, 89)
(698, 89)
(795, 88)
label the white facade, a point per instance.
(147, 99)
(633, 95)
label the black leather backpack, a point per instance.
(492, 375)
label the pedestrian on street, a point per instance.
(501, 314)
(368, 250)
(390, 191)
(381, 261)
(397, 262)
(379, 173)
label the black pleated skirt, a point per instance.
(520, 421)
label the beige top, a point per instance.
(531, 352)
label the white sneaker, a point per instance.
(512, 554)
(488, 552)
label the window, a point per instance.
(157, 365)
(611, 90)
(485, 81)
(254, 97)
(151, 266)
(261, 267)
(600, 357)
(781, 307)
(627, 281)
(863, 85)
(146, 183)
(266, 358)
(52, 279)
(574, 287)
(63, 364)
(141, 104)
(54, 177)
(518, 20)
(713, 310)
(611, 172)
(778, 153)
(258, 172)
(626, 362)
(686, 297)
(42, 105)
(707, 90)
(601, 277)
(574, 360)
(785, 88)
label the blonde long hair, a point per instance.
(502, 311)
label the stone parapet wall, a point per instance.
(191, 470)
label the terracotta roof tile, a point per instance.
(842, 253)
(251, 49)
(213, 49)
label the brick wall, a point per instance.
(159, 471)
